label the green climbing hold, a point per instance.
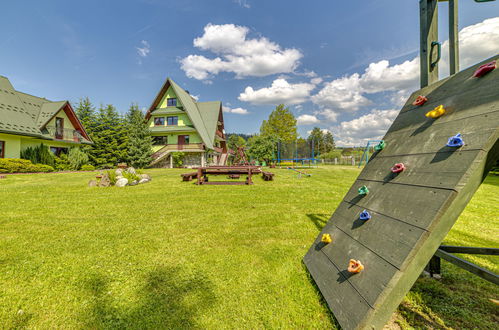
(363, 190)
(380, 146)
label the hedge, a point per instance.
(16, 165)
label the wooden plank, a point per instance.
(435, 140)
(420, 205)
(428, 13)
(443, 170)
(377, 272)
(455, 86)
(348, 306)
(453, 37)
(389, 238)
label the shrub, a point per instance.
(130, 177)
(39, 155)
(62, 163)
(87, 167)
(112, 176)
(77, 158)
(16, 165)
(178, 159)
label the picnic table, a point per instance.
(248, 170)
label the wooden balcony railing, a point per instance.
(220, 134)
(178, 147)
(65, 134)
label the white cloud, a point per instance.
(144, 50)
(328, 114)
(243, 3)
(476, 42)
(307, 120)
(371, 126)
(279, 92)
(239, 111)
(316, 81)
(244, 57)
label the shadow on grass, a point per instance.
(167, 299)
(319, 219)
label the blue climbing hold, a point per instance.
(364, 216)
(455, 141)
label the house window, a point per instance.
(57, 151)
(173, 120)
(159, 140)
(171, 102)
(59, 128)
(159, 121)
(2, 149)
(183, 139)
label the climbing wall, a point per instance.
(413, 210)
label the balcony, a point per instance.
(66, 134)
(220, 134)
(192, 147)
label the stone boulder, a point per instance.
(133, 183)
(92, 183)
(145, 176)
(131, 170)
(119, 177)
(104, 181)
(121, 182)
(144, 181)
(119, 172)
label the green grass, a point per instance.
(169, 254)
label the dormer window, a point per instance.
(171, 102)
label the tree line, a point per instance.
(280, 129)
(116, 138)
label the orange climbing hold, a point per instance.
(435, 113)
(326, 238)
(355, 266)
(484, 69)
(420, 100)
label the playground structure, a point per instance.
(300, 153)
(240, 158)
(300, 173)
(391, 223)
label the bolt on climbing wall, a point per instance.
(404, 202)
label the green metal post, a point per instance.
(428, 15)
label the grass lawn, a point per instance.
(169, 254)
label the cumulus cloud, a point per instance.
(307, 120)
(239, 111)
(279, 92)
(371, 126)
(349, 93)
(243, 3)
(238, 54)
(144, 50)
(328, 114)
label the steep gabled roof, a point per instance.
(203, 115)
(25, 114)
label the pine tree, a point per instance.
(109, 137)
(139, 138)
(86, 113)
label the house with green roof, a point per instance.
(179, 123)
(27, 121)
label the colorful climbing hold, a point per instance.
(326, 238)
(364, 215)
(437, 112)
(397, 168)
(380, 146)
(355, 266)
(420, 100)
(363, 190)
(484, 69)
(455, 141)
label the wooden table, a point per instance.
(203, 172)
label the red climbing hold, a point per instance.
(420, 100)
(397, 168)
(484, 69)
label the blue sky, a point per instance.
(249, 54)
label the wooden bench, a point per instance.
(188, 176)
(267, 176)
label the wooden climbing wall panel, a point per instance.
(412, 211)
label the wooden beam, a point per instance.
(470, 250)
(470, 267)
(453, 37)
(428, 15)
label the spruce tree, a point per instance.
(139, 138)
(86, 113)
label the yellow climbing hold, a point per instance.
(437, 112)
(326, 238)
